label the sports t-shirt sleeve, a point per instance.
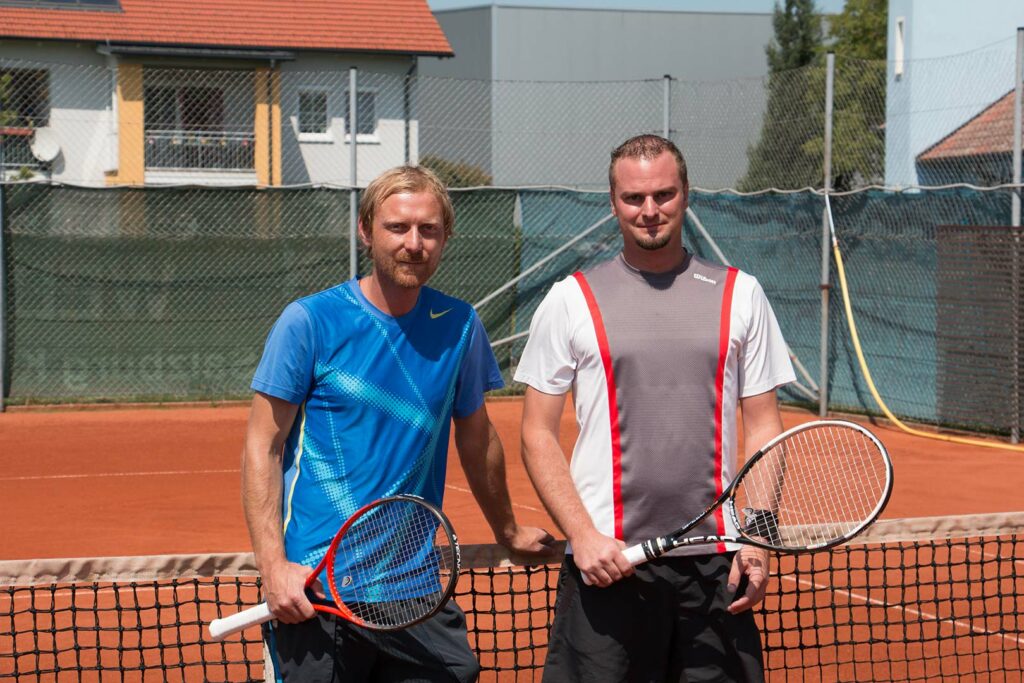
(548, 363)
(479, 372)
(286, 369)
(765, 363)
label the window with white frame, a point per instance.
(366, 113)
(314, 118)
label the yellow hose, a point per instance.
(871, 384)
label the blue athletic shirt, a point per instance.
(376, 396)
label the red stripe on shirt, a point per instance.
(723, 352)
(613, 406)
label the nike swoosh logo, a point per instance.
(435, 316)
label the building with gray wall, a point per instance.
(545, 93)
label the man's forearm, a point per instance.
(270, 419)
(545, 463)
(761, 421)
(262, 485)
(486, 477)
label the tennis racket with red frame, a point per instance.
(813, 487)
(392, 564)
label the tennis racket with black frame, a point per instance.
(813, 487)
(392, 564)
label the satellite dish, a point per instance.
(44, 145)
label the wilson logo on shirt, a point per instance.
(698, 276)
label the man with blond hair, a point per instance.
(354, 399)
(659, 347)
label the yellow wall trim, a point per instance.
(267, 123)
(131, 151)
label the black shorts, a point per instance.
(668, 622)
(326, 649)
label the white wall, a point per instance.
(81, 88)
(959, 58)
(569, 84)
(327, 160)
(83, 83)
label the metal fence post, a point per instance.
(3, 281)
(667, 108)
(353, 170)
(1018, 74)
(1018, 103)
(407, 84)
(830, 68)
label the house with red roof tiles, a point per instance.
(980, 151)
(135, 92)
(948, 117)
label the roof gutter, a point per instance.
(196, 52)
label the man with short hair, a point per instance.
(355, 395)
(659, 347)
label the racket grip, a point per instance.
(221, 628)
(635, 554)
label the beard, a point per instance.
(654, 243)
(404, 270)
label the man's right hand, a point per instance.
(599, 558)
(284, 585)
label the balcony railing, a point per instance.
(199, 150)
(16, 149)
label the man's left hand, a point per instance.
(529, 540)
(752, 562)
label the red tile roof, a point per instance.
(990, 132)
(402, 26)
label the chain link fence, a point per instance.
(156, 220)
(926, 123)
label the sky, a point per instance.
(759, 6)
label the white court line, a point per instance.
(994, 556)
(461, 489)
(165, 473)
(173, 473)
(201, 584)
(907, 610)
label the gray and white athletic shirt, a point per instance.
(657, 363)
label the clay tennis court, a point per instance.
(165, 480)
(141, 481)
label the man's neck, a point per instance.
(388, 297)
(661, 260)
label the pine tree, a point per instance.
(858, 39)
(797, 36)
(780, 158)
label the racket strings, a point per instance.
(819, 485)
(392, 564)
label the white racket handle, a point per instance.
(635, 554)
(221, 628)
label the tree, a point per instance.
(7, 116)
(859, 31)
(780, 159)
(797, 39)
(456, 173)
(858, 39)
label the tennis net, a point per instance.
(909, 600)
